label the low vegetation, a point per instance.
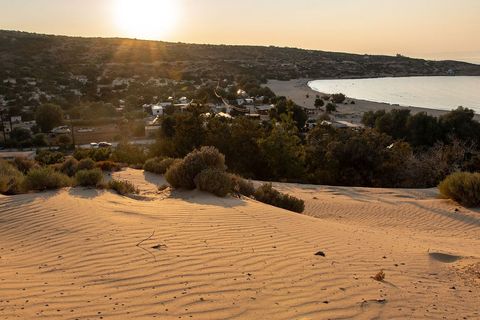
(267, 194)
(86, 164)
(46, 178)
(69, 167)
(89, 177)
(50, 157)
(215, 181)
(122, 187)
(241, 186)
(463, 187)
(11, 179)
(109, 166)
(158, 165)
(182, 173)
(25, 165)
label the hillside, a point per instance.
(57, 57)
(80, 253)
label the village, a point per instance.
(129, 119)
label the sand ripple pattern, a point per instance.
(73, 254)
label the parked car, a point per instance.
(310, 124)
(93, 145)
(85, 130)
(104, 144)
(62, 129)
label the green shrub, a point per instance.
(11, 180)
(100, 154)
(215, 181)
(49, 157)
(463, 187)
(24, 165)
(158, 166)
(182, 173)
(69, 167)
(108, 166)
(267, 194)
(123, 187)
(89, 178)
(86, 164)
(46, 178)
(128, 153)
(242, 186)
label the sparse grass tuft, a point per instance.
(123, 187)
(380, 276)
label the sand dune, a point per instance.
(88, 254)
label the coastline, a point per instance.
(298, 90)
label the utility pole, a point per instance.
(3, 128)
(73, 135)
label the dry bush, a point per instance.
(215, 181)
(267, 194)
(463, 187)
(380, 276)
(86, 164)
(123, 187)
(69, 167)
(182, 173)
(158, 165)
(46, 178)
(25, 165)
(108, 166)
(242, 186)
(89, 178)
(11, 179)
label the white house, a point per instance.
(157, 110)
(12, 155)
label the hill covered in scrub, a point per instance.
(57, 58)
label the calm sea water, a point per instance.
(443, 93)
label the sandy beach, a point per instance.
(88, 254)
(298, 90)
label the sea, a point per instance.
(440, 92)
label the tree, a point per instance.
(393, 123)
(20, 135)
(331, 107)
(48, 116)
(338, 98)
(460, 123)
(319, 103)
(284, 106)
(422, 130)
(283, 151)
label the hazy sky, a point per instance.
(438, 29)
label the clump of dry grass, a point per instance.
(380, 276)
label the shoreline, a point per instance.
(299, 91)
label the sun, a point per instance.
(146, 19)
